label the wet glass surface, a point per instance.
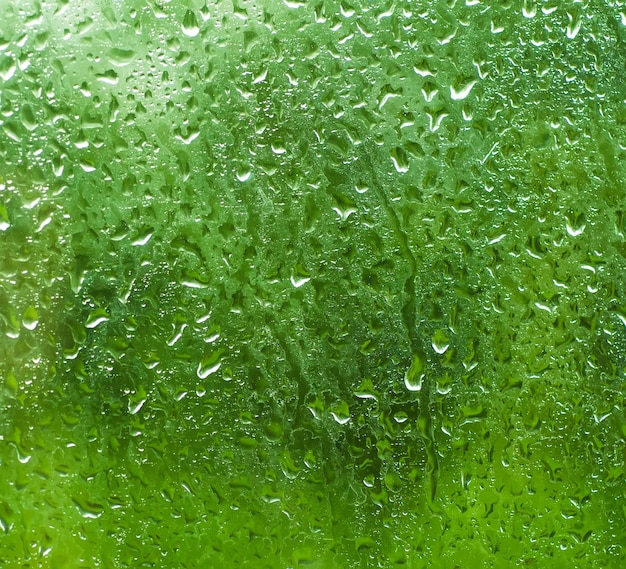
(312, 283)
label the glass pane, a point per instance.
(312, 283)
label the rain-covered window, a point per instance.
(312, 283)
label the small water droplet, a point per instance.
(176, 335)
(192, 134)
(400, 417)
(23, 458)
(361, 187)
(192, 279)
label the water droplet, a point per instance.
(440, 342)
(28, 117)
(429, 90)
(341, 413)
(177, 335)
(361, 187)
(243, 173)
(190, 24)
(119, 57)
(574, 24)
(192, 134)
(575, 223)
(422, 68)
(85, 25)
(209, 365)
(345, 206)
(86, 508)
(299, 276)
(278, 148)
(393, 482)
(109, 77)
(22, 457)
(137, 400)
(529, 9)
(11, 131)
(400, 160)
(96, 318)
(436, 117)
(366, 390)
(87, 165)
(7, 68)
(414, 376)
(298, 281)
(143, 237)
(193, 283)
(460, 91)
(193, 279)
(30, 318)
(4, 218)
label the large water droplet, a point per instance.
(30, 318)
(460, 91)
(414, 376)
(209, 365)
(190, 24)
(244, 172)
(440, 342)
(120, 57)
(96, 318)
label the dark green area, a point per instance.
(319, 284)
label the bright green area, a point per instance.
(312, 283)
